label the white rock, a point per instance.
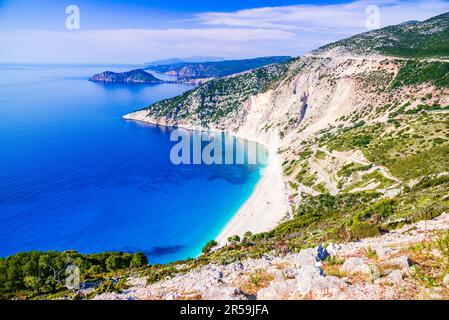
(222, 293)
(216, 275)
(306, 278)
(446, 280)
(237, 266)
(383, 252)
(277, 290)
(402, 262)
(374, 272)
(305, 257)
(395, 276)
(333, 248)
(355, 265)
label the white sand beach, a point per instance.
(266, 206)
(268, 203)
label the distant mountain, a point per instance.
(181, 60)
(413, 39)
(184, 70)
(135, 76)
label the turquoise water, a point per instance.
(74, 175)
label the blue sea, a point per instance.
(74, 175)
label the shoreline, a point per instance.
(267, 205)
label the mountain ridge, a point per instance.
(215, 69)
(426, 39)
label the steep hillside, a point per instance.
(412, 39)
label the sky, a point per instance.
(138, 31)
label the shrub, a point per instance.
(138, 260)
(361, 230)
(383, 209)
(209, 246)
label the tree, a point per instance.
(113, 263)
(32, 283)
(209, 246)
(138, 260)
(234, 239)
(247, 235)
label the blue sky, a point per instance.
(136, 31)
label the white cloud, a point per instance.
(339, 18)
(291, 30)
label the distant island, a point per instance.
(133, 76)
(188, 72)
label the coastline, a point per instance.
(267, 205)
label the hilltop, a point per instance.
(413, 39)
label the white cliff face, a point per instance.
(335, 86)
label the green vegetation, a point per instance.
(37, 273)
(350, 168)
(402, 148)
(305, 176)
(219, 98)
(367, 179)
(414, 72)
(425, 39)
(209, 246)
(216, 69)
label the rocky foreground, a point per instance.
(395, 265)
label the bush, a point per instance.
(38, 272)
(383, 209)
(361, 230)
(234, 239)
(138, 260)
(209, 246)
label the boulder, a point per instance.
(395, 276)
(306, 278)
(305, 257)
(277, 290)
(383, 252)
(374, 272)
(446, 280)
(355, 265)
(333, 248)
(237, 266)
(402, 262)
(222, 293)
(216, 275)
